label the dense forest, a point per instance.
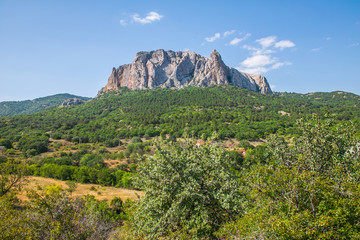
(11, 108)
(230, 111)
(299, 178)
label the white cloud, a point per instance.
(267, 41)
(328, 38)
(213, 38)
(315, 49)
(258, 70)
(258, 51)
(258, 61)
(123, 22)
(261, 60)
(284, 44)
(354, 44)
(263, 66)
(250, 48)
(151, 17)
(279, 64)
(228, 33)
(236, 40)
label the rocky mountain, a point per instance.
(72, 102)
(169, 69)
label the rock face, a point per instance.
(168, 69)
(71, 102)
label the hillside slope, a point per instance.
(11, 108)
(232, 112)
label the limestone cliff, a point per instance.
(168, 69)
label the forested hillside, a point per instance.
(230, 111)
(11, 108)
(297, 179)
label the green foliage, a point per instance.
(323, 147)
(102, 176)
(11, 176)
(13, 222)
(306, 189)
(301, 184)
(33, 144)
(117, 205)
(245, 145)
(136, 150)
(230, 111)
(12, 108)
(113, 142)
(71, 186)
(54, 215)
(92, 160)
(6, 143)
(135, 140)
(189, 190)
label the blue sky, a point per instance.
(49, 47)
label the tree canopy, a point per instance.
(189, 191)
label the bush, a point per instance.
(189, 190)
(136, 140)
(6, 143)
(92, 160)
(33, 144)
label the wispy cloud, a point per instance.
(213, 38)
(284, 44)
(280, 64)
(150, 17)
(261, 59)
(264, 68)
(258, 61)
(123, 22)
(355, 44)
(315, 49)
(257, 51)
(328, 38)
(135, 18)
(236, 40)
(267, 41)
(228, 33)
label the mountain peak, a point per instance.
(169, 69)
(215, 53)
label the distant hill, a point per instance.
(12, 108)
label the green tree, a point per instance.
(189, 191)
(92, 160)
(6, 143)
(308, 188)
(11, 176)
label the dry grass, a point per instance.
(100, 193)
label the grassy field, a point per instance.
(100, 193)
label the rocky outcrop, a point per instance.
(71, 102)
(168, 69)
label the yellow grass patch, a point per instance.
(100, 193)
